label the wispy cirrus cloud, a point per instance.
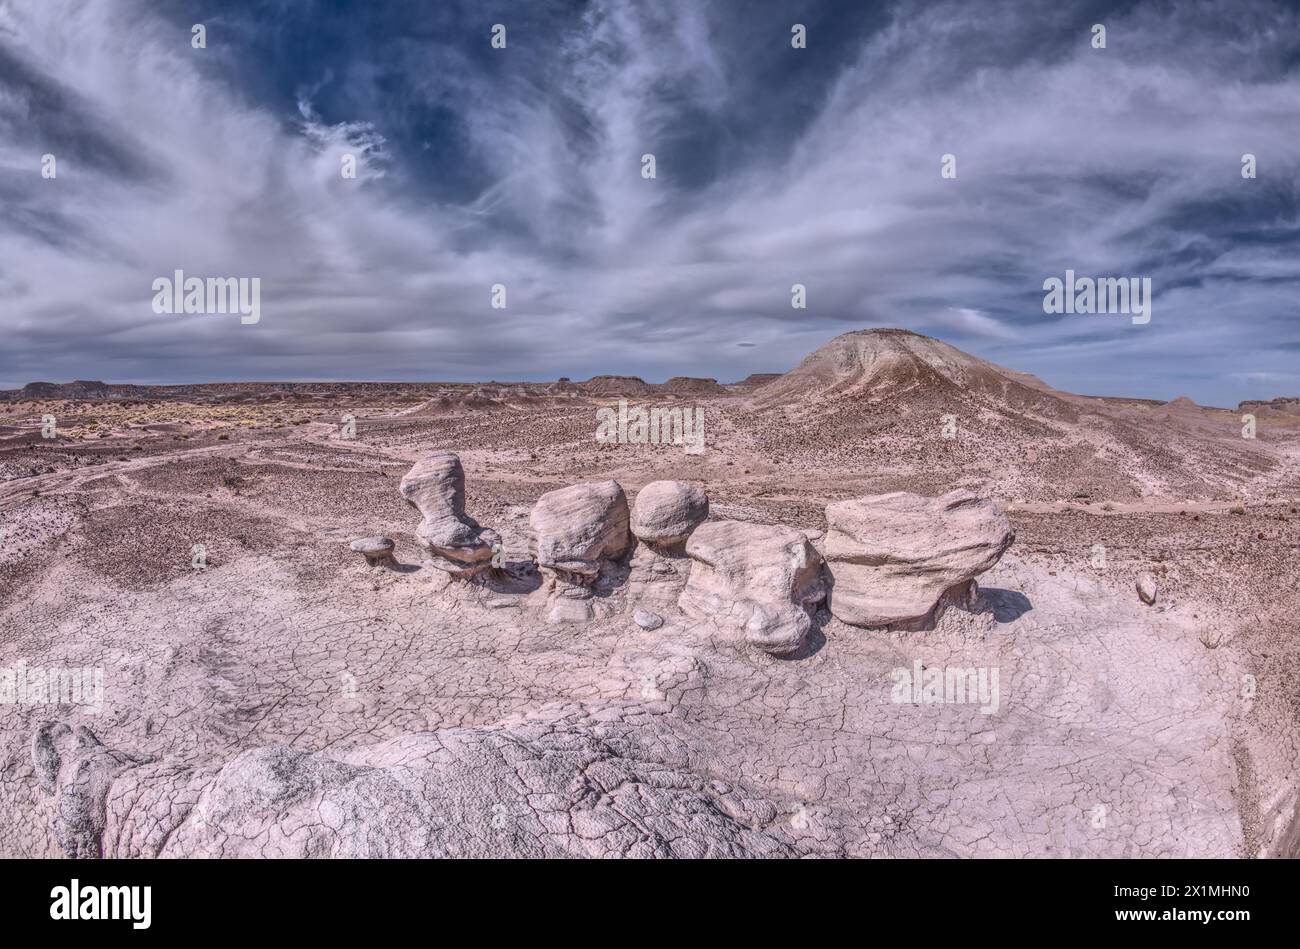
(522, 166)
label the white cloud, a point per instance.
(1123, 162)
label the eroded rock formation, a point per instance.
(454, 541)
(576, 534)
(898, 559)
(665, 512)
(566, 781)
(760, 579)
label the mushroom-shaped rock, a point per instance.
(760, 579)
(455, 541)
(898, 559)
(576, 534)
(378, 551)
(665, 512)
(575, 530)
(1146, 587)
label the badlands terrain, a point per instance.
(544, 669)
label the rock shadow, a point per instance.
(1007, 606)
(813, 642)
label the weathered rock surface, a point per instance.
(575, 530)
(647, 619)
(665, 512)
(456, 543)
(898, 559)
(576, 534)
(567, 781)
(760, 579)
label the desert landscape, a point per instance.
(449, 619)
(571, 429)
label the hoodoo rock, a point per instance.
(456, 543)
(760, 579)
(665, 512)
(575, 529)
(576, 534)
(898, 559)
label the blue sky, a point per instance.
(522, 166)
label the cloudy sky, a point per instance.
(522, 166)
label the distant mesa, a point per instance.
(756, 379)
(1182, 402)
(81, 389)
(1283, 405)
(689, 385)
(616, 385)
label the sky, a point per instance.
(774, 166)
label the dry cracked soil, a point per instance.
(280, 697)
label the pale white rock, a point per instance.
(435, 487)
(576, 534)
(760, 579)
(898, 559)
(665, 512)
(378, 551)
(574, 530)
(568, 780)
(1146, 588)
(647, 620)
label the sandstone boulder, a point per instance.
(665, 512)
(456, 543)
(575, 530)
(760, 579)
(576, 534)
(898, 559)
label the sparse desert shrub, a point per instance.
(223, 437)
(1237, 509)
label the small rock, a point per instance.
(647, 620)
(1146, 587)
(378, 551)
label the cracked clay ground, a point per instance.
(393, 713)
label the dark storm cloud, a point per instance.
(522, 167)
